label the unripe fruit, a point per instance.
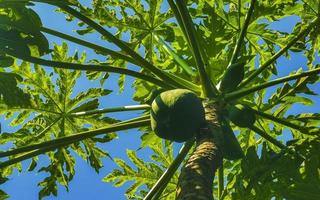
(177, 115)
(241, 115)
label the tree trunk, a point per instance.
(197, 175)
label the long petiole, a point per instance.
(208, 89)
(108, 110)
(122, 45)
(268, 137)
(159, 186)
(90, 67)
(175, 56)
(279, 53)
(244, 92)
(63, 141)
(98, 48)
(220, 181)
(282, 121)
(240, 41)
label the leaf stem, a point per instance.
(244, 92)
(66, 140)
(279, 53)
(208, 89)
(283, 122)
(175, 56)
(240, 41)
(220, 181)
(275, 142)
(98, 48)
(108, 110)
(268, 137)
(90, 67)
(122, 45)
(159, 186)
(179, 19)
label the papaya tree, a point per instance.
(218, 76)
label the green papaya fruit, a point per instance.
(177, 115)
(231, 147)
(232, 77)
(241, 115)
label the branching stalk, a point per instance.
(240, 41)
(108, 110)
(208, 89)
(160, 185)
(90, 67)
(283, 122)
(220, 181)
(122, 45)
(244, 92)
(279, 53)
(63, 141)
(175, 56)
(98, 48)
(268, 137)
(179, 19)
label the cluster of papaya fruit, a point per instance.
(178, 114)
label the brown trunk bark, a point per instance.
(197, 175)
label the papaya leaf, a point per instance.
(144, 174)
(43, 116)
(11, 94)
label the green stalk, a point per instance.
(279, 53)
(175, 56)
(108, 110)
(239, 14)
(98, 48)
(185, 83)
(179, 19)
(208, 89)
(220, 181)
(14, 2)
(143, 117)
(26, 156)
(283, 122)
(240, 41)
(160, 185)
(66, 140)
(122, 45)
(244, 92)
(268, 137)
(90, 67)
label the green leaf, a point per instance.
(144, 173)
(11, 94)
(6, 61)
(3, 195)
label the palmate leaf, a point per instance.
(47, 117)
(218, 25)
(3, 195)
(11, 94)
(142, 23)
(144, 174)
(278, 175)
(20, 31)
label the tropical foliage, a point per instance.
(230, 53)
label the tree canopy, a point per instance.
(231, 54)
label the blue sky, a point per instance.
(87, 184)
